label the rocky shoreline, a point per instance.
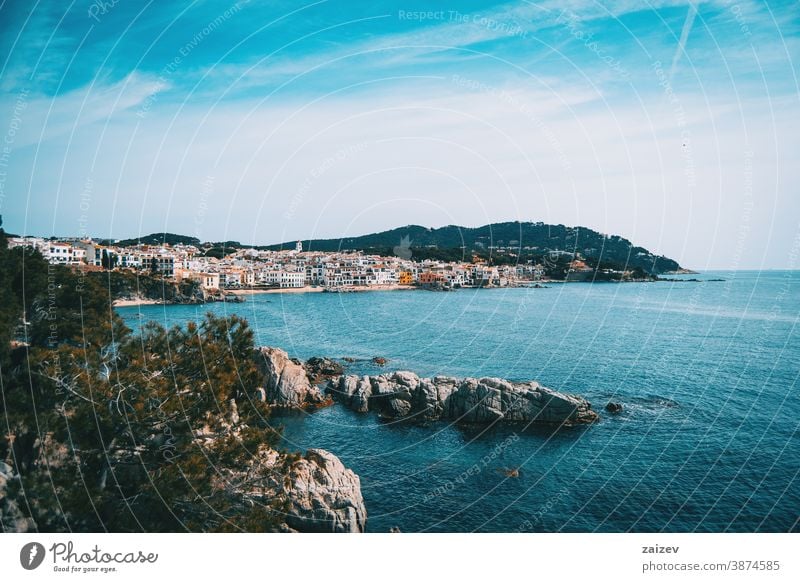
(290, 384)
(315, 492)
(322, 495)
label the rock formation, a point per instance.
(312, 493)
(468, 400)
(324, 496)
(285, 382)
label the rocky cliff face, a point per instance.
(324, 495)
(469, 400)
(312, 493)
(285, 382)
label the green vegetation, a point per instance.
(218, 251)
(159, 238)
(108, 430)
(127, 284)
(501, 243)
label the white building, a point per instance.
(293, 279)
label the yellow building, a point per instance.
(405, 278)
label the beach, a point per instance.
(135, 302)
(257, 291)
(318, 289)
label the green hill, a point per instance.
(501, 243)
(160, 238)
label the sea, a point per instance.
(706, 370)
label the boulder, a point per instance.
(360, 399)
(285, 382)
(614, 407)
(323, 495)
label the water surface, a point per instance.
(707, 372)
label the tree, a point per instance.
(159, 431)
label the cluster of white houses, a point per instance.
(284, 269)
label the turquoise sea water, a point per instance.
(707, 372)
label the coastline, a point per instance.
(309, 289)
(256, 291)
(241, 293)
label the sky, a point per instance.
(673, 124)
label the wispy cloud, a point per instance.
(47, 118)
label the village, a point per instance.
(296, 269)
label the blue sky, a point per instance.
(673, 124)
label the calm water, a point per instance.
(707, 372)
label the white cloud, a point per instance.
(350, 166)
(47, 118)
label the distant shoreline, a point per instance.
(137, 302)
(310, 289)
(258, 291)
(360, 289)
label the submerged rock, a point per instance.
(614, 407)
(324, 496)
(468, 400)
(285, 382)
(510, 473)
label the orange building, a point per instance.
(429, 278)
